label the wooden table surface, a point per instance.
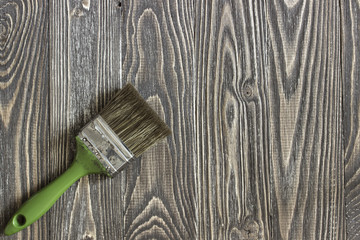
(262, 98)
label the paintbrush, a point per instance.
(124, 129)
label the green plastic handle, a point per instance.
(85, 163)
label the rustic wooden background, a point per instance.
(262, 98)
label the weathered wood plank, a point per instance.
(351, 120)
(85, 69)
(157, 40)
(305, 119)
(24, 116)
(232, 142)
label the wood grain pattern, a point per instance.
(85, 70)
(157, 51)
(262, 98)
(24, 116)
(305, 124)
(233, 167)
(351, 93)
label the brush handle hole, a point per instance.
(20, 220)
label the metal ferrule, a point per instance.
(105, 145)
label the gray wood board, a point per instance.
(231, 121)
(304, 97)
(24, 108)
(157, 51)
(351, 92)
(84, 72)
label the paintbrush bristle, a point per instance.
(133, 120)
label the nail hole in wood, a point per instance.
(248, 92)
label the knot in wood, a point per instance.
(250, 228)
(118, 3)
(77, 12)
(88, 237)
(247, 91)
